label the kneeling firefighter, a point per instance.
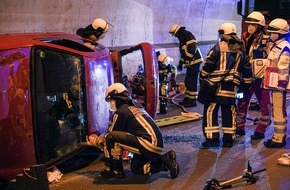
(132, 129)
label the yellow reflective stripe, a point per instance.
(209, 129)
(116, 152)
(191, 42)
(129, 148)
(148, 129)
(229, 130)
(223, 62)
(195, 61)
(212, 129)
(68, 102)
(184, 47)
(192, 93)
(226, 92)
(146, 144)
(146, 167)
(115, 117)
(204, 73)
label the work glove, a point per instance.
(180, 67)
(95, 140)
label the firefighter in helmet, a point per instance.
(224, 66)
(94, 31)
(190, 58)
(166, 70)
(132, 129)
(279, 57)
(254, 40)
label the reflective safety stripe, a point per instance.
(68, 102)
(282, 123)
(130, 148)
(116, 152)
(209, 129)
(147, 167)
(148, 129)
(115, 117)
(149, 146)
(225, 93)
(278, 138)
(184, 47)
(193, 93)
(280, 129)
(212, 129)
(229, 130)
(192, 62)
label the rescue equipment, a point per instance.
(247, 178)
(271, 79)
(184, 117)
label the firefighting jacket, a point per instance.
(165, 70)
(189, 51)
(136, 121)
(255, 45)
(227, 68)
(279, 57)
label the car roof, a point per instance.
(65, 41)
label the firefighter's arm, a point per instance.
(189, 49)
(209, 65)
(283, 70)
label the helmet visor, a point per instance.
(252, 20)
(108, 98)
(275, 29)
(221, 31)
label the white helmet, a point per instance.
(256, 18)
(278, 25)
(173, 29)
(227, 28)
(115, 89)
(164, 59)
(100, 24)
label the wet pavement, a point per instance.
(197, 165)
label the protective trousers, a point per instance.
(163, 91)
(191, 81)
(279, 116)
(116, 141)
(263, 96)
(210, 123)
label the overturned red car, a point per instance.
(52, 95)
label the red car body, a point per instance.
(52, 95)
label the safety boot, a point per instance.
(257, 136)
(240, 132)
(228, 143)
(270, 144)
(190, 103)
(184, 101)
(109, 173)
(211, 143)
(115, 170)
(169, 163)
